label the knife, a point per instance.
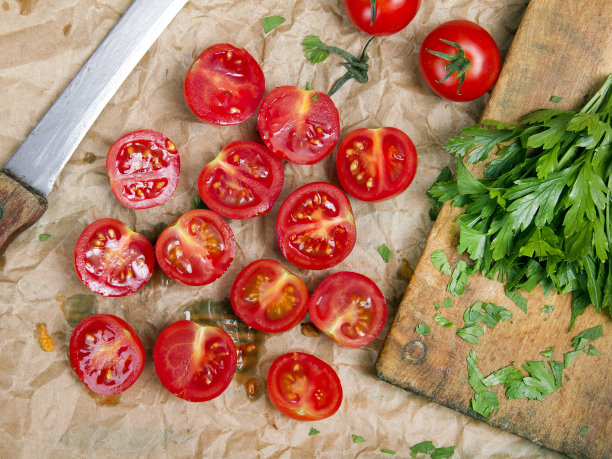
(28, 176)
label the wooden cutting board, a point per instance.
(562, 48)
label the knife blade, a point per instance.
(29, 174)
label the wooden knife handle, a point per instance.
(20, 207)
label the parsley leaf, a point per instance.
(440, 262)
(471, 334)
(583, 431)
(548, 353)
(592, 351)
(475, 376)
(314, 54)
(425, 447)
(444, 176)
(556, 99)
(422, 329)
(387, 451)
(459, 279)
(313, 431)
(357, 439)
(517, 299)
(443, 321)
(447, 303)
(548, 309)
(385, 252)
(315, 98)
(271, 22)
(589, 334)
(444, 452)
(478, 142)
(43, 237)
(484, 403)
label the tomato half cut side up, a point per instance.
(194, 362)
(304, 387)
(106, 354)
(243, 181)
(143, 169)
(269, 298)
(224, 85)
(197, 248)
(300, 126)
(315, 226)
(349, 308)
(111, 259)
(376, 164)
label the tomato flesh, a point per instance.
(143, 168)
(391, 15)
(243, 181)
(376, 164)
(112, 260)
(300, 126)
(197, 248)
(269, 298)
(304, 387)
(194, 362)
(315, 226)
(349, 308)
(478, 46)
(106, 354)
(224, 85)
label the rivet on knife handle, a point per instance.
(20, 207)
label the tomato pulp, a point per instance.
(315, 227)
(243, 181)
(111, 259)
(304, 387)
(480, 60)
(224, 85)
(106, 354)
(298, 125)
(349, 308)
(194, 362)
(269, 298)
(197, 248)
(376, 164)
(391, 15)
(143, 168)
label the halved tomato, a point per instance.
(376, 164)
(143, 168)
(315, 227)
(269, 298)
(106, 354)
(298, 125)
(113, 260)
(243, 181)
(197, 248)
(304, 387)
(224, 85)
(194, 362)
(349, 308)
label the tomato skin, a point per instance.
(102, 347)
(224, 85)
(315, 226)
(304, 387)
(269, 298)
(479, 48)
(385, 159)
(143, 169)
(300, 126)
(349, 308)
(194, 362)
(248, 166)
(391, 15)
(111, 259)
(197, 248)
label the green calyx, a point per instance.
(457, 63)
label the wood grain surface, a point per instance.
(20, 207)
(562, 48)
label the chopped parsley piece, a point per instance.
(517, 299)
(443, 321)
(308, 87)
(471, 334)
(315, 98)
(484, 403)
(313, 431)
(427, 447)
(43, 237)
(583, 430)
(357, 439)
(271, 22)
(422, 329)
(556, 99)
(459, 279)
(506, 419)
(312, 51)
(387, 451)
(383, 250)
(548, 353)
(445, 176)
(547, 309)
(592, 351)
(447, 303)
(440, 262)
(437, 305)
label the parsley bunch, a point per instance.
(541, 214)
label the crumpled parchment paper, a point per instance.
(44, 409)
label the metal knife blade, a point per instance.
(41, 157)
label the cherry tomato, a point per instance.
(269, 298)
(376, 164)
(391, 15)
(194, 362)
(298, 125)
(471, 48)
(349, 308)
(304, 387)
(113, 260)
(106, 354)
(143, 168)
(315, 227)
(197, 248)
(243, 181)
(224, 85)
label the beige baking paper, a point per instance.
(44, 409)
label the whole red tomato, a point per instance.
(390, 17)
(459, 60)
